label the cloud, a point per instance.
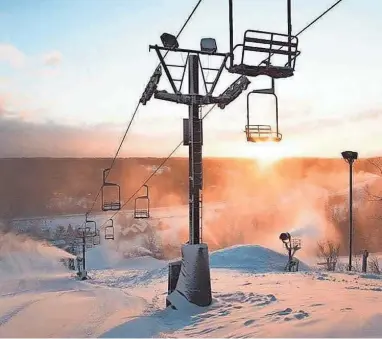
(25, 133)
(22, 136)
(312, 124)
(11, 55)
(24, 139)
(53, 58)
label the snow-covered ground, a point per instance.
(126, 298)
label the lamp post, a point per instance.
(350, 157)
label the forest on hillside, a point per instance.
(283, 191)
(48, 186)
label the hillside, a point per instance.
(51, 186)
(291, 192)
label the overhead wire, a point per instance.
(204, 116)
(135, 113)
(309, 25)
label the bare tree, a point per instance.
(356, 263)
(371, 194)
(328, 250)
(374, 265)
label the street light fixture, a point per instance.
(350, 157)
(169, 41)
(208, 45)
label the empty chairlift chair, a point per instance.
(109, 230)
(83, 232)
(90, 225)
(263, 133)
(97, 238)
(142, 205)
(265, 53)
(111, 201)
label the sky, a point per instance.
(72, 72)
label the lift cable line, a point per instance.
(318, 18)
(153, 173)
(136, 111)
(204, 116)
(310, 24)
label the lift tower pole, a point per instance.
(190, 278)
(195, 151)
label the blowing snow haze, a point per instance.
(301, 196)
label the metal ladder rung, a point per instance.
(210, 69)
(179, 66)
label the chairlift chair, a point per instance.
(96, 238)
(263, 133)
(110, 205)
(83, 231)
(269, 44)
(109, 230)
(139, 212)
(91, 225)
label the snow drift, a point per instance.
(254, 258)
(104, 257)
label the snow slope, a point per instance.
(253, 258)
(251, 299)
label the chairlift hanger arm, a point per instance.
(105, 174)
(146, 195)
(270, 90)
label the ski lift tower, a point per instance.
(194, 282)
(83, 233)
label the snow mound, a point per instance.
(103, 258)
(253, 258)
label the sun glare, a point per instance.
(268, 153)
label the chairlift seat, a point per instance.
(109, 236)
(111, 206)
(261, 133)
(96, 240)
(141, 214)
(271, 71)
(270, 44)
